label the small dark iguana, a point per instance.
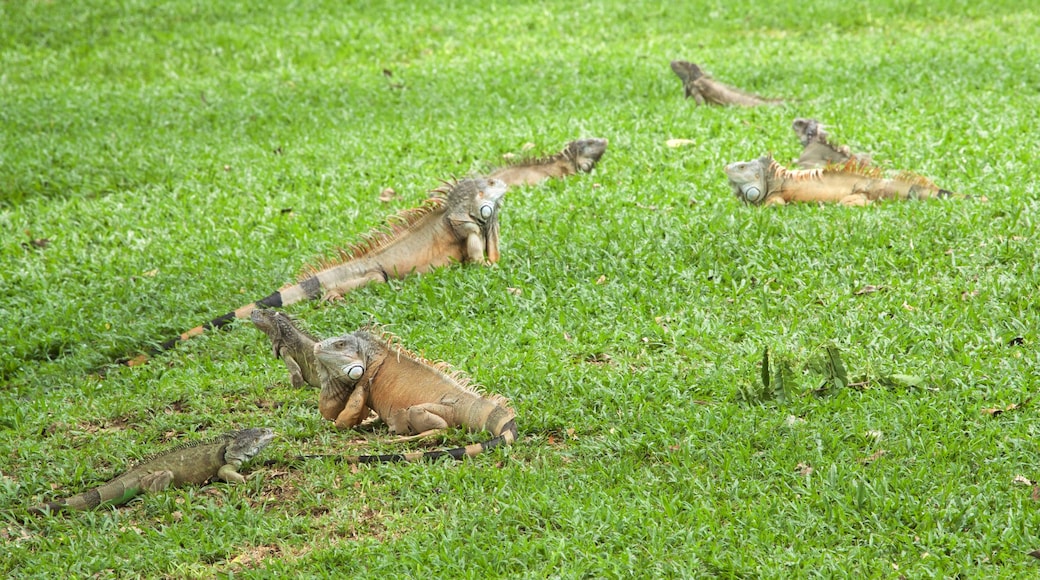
(458, 224)
(188, 464)
(367, 369)
(294, 346)
(765, 182)
(577, 157)
(818, 151)
(705, 89)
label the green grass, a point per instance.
(186, 158)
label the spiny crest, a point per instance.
(855, 167)
(393, 344)
(223, 438)
(380, 236)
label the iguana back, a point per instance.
(459, 224)
(818, 151)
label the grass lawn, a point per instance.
(162, 163)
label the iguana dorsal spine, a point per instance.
(818, 151)
(578, 156)
(187, 464)
(460, 223)
(368, 369)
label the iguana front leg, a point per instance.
(355, 410)
(229, 473)
(295, 372)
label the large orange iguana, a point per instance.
(188, 464)
(818, 151)
(368, 369)
(705, 89)
(766, 182)
(458, 224)
(577, 157)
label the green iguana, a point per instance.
(818, 151)
(294, 346)
(705, 89)
(458, 224)
(766, 182)
(367, 369)
(577, 157)
(188, 464)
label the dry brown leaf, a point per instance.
(868, 289)
(515, 291)
(873, 457)
(387, 195)
(602, 278)
(1021, 480)
(804, 469)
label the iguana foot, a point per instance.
(230, 474)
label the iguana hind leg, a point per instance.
(156, 480)
(419, 420)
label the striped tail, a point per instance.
(308, 289)
(507, 437)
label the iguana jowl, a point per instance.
(188, 464)
(294, 346)
(765, 182)
(706, 90)
(458, 224)
(577, 157)
(818, 151)
(367, 370)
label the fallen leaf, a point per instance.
(527, 146)
(508, 156)
(150, 273)
(1021, 480)
(908, 307)
(804, 469)
(868, 289)
(602, 278)
(515, 291)
(679, 142)
(1035, 553)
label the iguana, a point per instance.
(705, 89)
(458, 224)
(187, 464)
(368, 369)
(577, 157)
(765, 182)
(818, 151)
(294, 346)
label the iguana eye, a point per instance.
(354, 371)
(486, 211)
(752, 193)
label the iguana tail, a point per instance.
(506, 436)
(112, 493)
(308, 289)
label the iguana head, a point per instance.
(247, 443)
(478, 200)
(585, 153)
(808, 130)
(343, 358)
(748, 179)
(276, 324)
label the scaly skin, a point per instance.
(458, 224)
(577, 157)
(765, 182)
(706, 90)
(294, 346)
(363, 370)
(189, 464)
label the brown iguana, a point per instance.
(458, 224)
(294, 346)
(188, 464)
(367, 369)
(818, 151)
(577, 157)
(705, 89)
(766, 182)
